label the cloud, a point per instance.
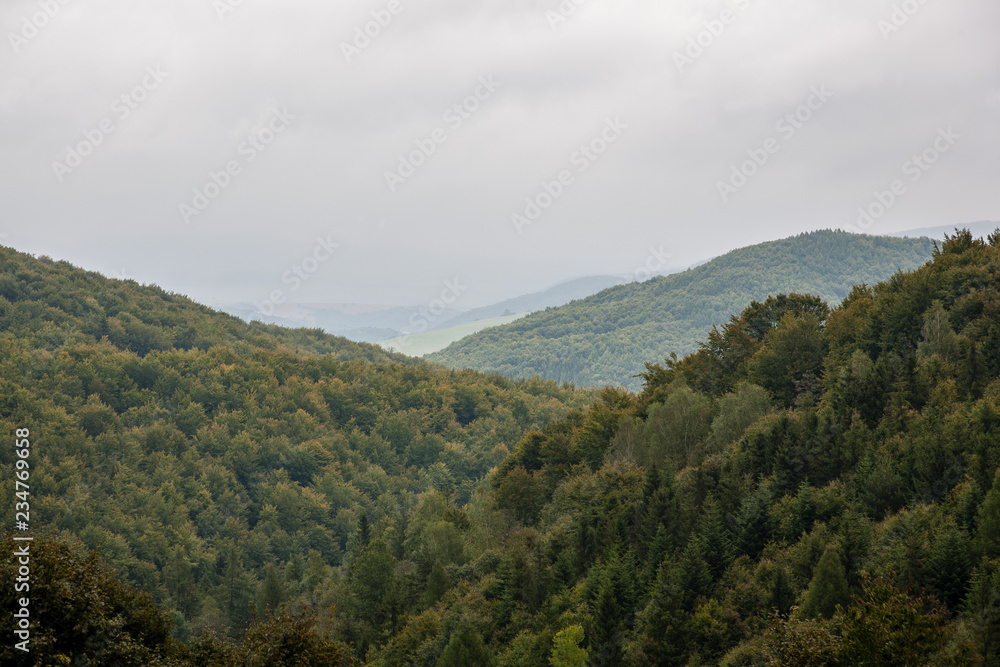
(561, 81)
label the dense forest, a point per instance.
(226, 468)
(811, 486)
(603, 339)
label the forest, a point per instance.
(226, 468)
(814, 484)
(606, 338)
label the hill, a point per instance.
(420, 344)
(553, 297)
(224, 466)
(373, 324)
(812, 486)
(602, 339)
(978, 229)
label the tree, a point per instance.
(80, 612)
(566, 649)
(465, 648)
(291, 641)
(373, 584)
(794, 642)
(988, 528)
(737, 411)
(437, 584)
(272, 593)
(886, 627)
(937, 336)
(791, 358)
(828, 587)
(676, 427)
(949, 565)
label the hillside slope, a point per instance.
(811, 487)
(602, 340)
(222, 465)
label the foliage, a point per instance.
(603, 339)
(811, 486)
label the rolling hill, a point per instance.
(223, 466)
(603, 339)
(426, 342)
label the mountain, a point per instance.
(812, 486)
(358, 322)
(558, 295)
(602, 339)
(374, 324)
(420, 344)
(223, 466)
(979, 229)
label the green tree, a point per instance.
(80, 611)
(272, 592)
(791, 359)
(887, 628)
(465, 648)
(737, 411)
(566, 649)
(373, 584)
(988, 524)
(676, 427)
(828, 587)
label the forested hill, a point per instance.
(602, 340)
(224, 466)
(811, 487)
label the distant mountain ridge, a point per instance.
(374, 324)
(979, 229)
(558, 295)
(601, 340)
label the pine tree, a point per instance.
(465, 648)
(272, 593)
(988, 531)
(828, 587)
(949, 566)
(716, 540)
(437, 584)
(693, 576)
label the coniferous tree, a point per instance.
(828, 587)
(465, 648)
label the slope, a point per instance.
(223, 465)
(811, 487)
(420, 344)
(603, 339)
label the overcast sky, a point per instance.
(114, 112)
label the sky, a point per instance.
(389, 151)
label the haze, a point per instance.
(208, 85)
